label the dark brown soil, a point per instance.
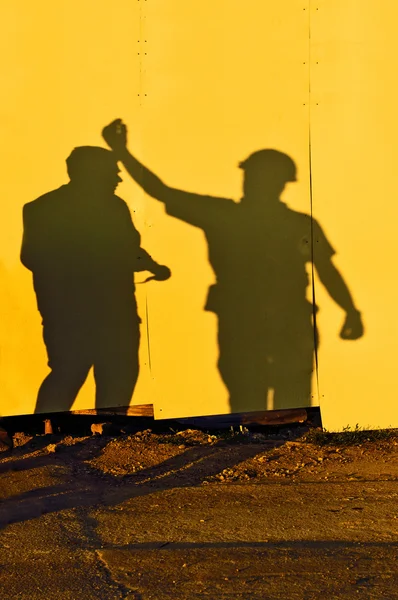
(198, 457)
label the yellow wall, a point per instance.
(354, 131)
(67, 68)
(223, 79)
(201, 85)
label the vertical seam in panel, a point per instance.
(312, 205)
(147, 335)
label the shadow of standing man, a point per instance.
(83, 249)
(260, 250)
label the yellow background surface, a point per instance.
(201, 85)
(354, 129)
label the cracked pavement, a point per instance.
(68, 532)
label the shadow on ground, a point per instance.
(84, 486)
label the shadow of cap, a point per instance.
(90, 159)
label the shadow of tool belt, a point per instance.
(219, 297)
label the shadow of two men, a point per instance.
(83, 249)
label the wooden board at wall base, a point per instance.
(138, 410)
(269, 417)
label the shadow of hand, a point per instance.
(353, 328)
(162, 273)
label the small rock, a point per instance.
(6, 442)
(51, 448)
(103, 429)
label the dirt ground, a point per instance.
(278, 513)
(195, 457)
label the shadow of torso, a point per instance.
(261, 258)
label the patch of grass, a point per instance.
(349, 436)
(194, 437)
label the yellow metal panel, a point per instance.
(68, 67)
(354, 128)
(202, 85)
(223, 79)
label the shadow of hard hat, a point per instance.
(274, 162)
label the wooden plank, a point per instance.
(270, 417)
(137, 410)
(276, 417)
